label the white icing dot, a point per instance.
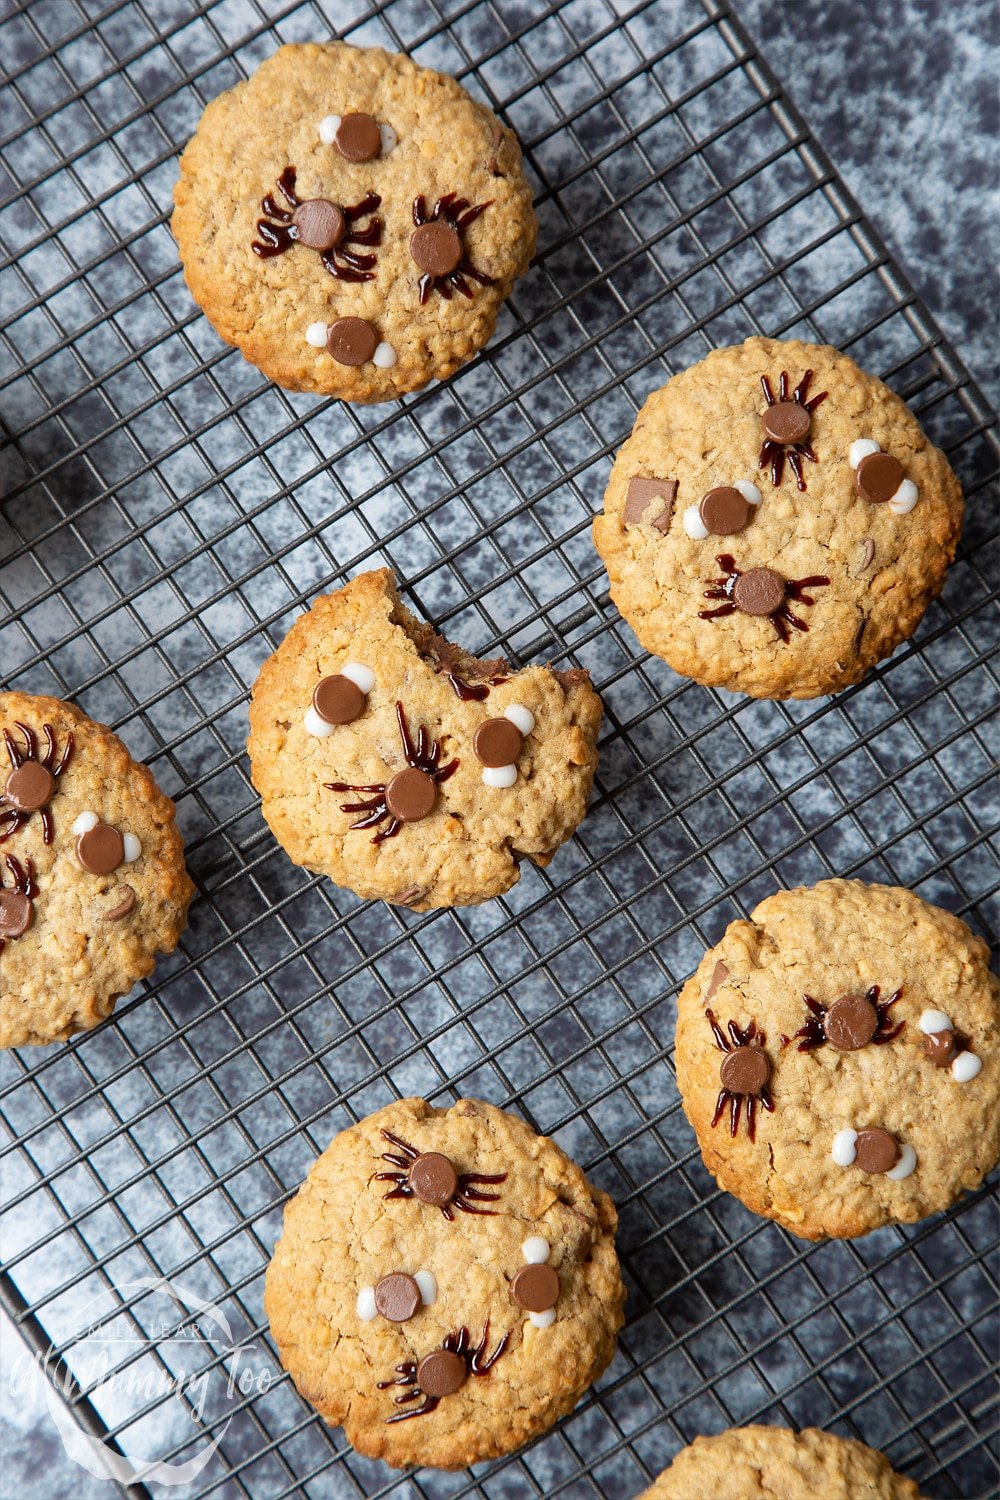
(521, 716)
(935, 1020)
(133, 848)
(750, 492)
(389, 138)
(428, 1287)
(85, 822)
(328, 128)
(843, 1150)
(362, 677)
(366, 1304)
(905, 498)
(384, 356)
(316, 335)
(543, 1319)
(535, 1250)
(500, 775)
(861, 448)
(965, 1066)
(905, 1165)
(694, 525)
(314, 725)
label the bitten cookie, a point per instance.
(92, 877)
(837, 1058)
(351, 221)
(777, 522)
(749, 1463)
(446, 1286)
(405, 769)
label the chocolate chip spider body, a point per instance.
(322, 225)
(849, 1023)
(32, 779)
(17, 902)
(410, 794)
(787, 422)
(760, 591)
(745, 1074)
(438, 247)
(441, 1372)
(431, 1177)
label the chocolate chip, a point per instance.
(745, 1070)
(397, 1297)
(338, 700)
(358, 138)
(641, 494)
(867, 555)
(101, 849)
(759, 591)
(29, 786)
(786, 422)
(850, 1023)
(122, 907)
(436, 248)
(351, 341)
(878, 477)
(940, 1047)
(319, 224)
(433, 1178)
(535, 1288)
(876, 1150)
(724, 511)
(719, 976)
(441, 1373)
(497, 742)
(16, 913)
(410, 795)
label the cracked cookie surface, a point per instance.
(432, 145)
(92, 876)
(378, 1270)
(878, 1058)
(773, 1463)
(460, 808)
(876, 563)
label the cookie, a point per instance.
(748, 1463)
(351, 221)
(407, 770)
(92, 877)
(837, 1058)
(446, 1285)
(777, 522)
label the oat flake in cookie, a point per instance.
(446, 1284)
(748, 1463)
(406, 769)
(777, 522)
(837, 1057)
(351, 221)
(92, 877)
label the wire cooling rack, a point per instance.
(168, 515)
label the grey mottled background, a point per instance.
(902, 94)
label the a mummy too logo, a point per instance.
(151, 1372)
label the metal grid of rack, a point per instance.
(168, 514)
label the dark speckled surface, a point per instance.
(903, 96)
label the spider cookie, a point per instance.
(777, 522)
(748, 1463)
(446, 1286)
(837, 1058)
(351, 221)
(92, 877)
(403, 768)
